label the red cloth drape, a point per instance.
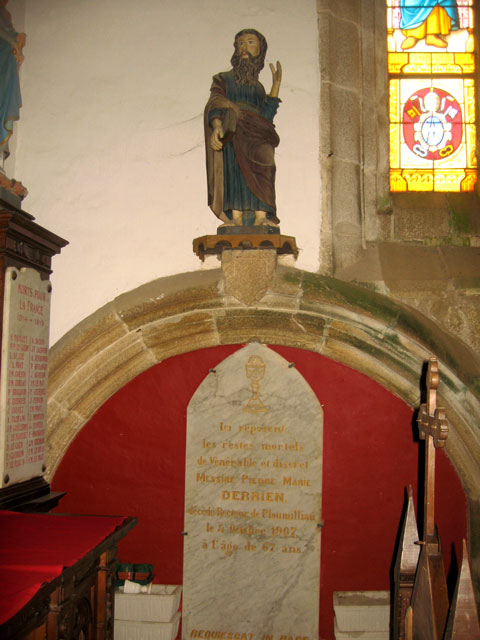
(35, 548)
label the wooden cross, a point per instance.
(433, 428)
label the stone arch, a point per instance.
(348, 323)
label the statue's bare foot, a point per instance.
(236, 221)
(266, 223)
(262, 220)
(237, 217)
(436, 41)
(409, 42)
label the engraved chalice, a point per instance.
(255, 370)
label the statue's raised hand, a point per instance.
(276, 79)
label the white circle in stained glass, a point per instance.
(432, 130)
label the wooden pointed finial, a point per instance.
(430, 597)
(410, 550)
(462, 621)
(405, 568)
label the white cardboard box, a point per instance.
(158, 606)
(361, 635)
(361, 611)
(136, 630)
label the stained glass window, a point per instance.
(431, 65)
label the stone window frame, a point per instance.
(358, 208)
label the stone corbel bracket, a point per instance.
(249, 259)
(247, 275)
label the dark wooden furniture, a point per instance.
(31, 496)
(57, 575)
(24, 243)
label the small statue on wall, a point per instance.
(240, 137)
(11, 57)
(240, 142)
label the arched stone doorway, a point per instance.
(362, 329)
(130, 458)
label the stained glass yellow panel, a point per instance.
(431, 60)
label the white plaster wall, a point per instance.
(110, 140)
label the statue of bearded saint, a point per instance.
(240, 137)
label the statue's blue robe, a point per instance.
(10, 98)
(240, 191)
(415, 12)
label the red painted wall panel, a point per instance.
(129, 459)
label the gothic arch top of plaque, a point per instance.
(253, 501)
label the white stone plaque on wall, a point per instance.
(253, 502)
(24, 370)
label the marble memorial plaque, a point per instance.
(253, 502)
(24, 371)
